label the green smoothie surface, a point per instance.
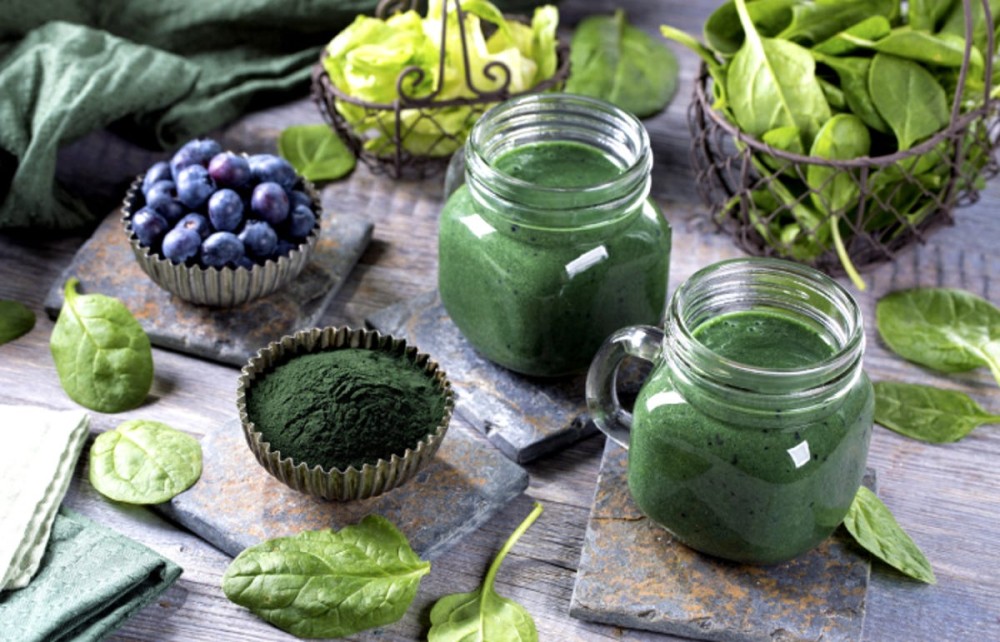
(763, 339)
(558, 164)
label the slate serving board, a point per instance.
(634, 574)
(106, 264)
(237, 503)
(524, 417)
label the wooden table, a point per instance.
(947, 497)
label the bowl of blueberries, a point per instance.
(219, 228)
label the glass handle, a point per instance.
(640, 341)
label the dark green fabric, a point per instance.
(172, 69)
(90, 581)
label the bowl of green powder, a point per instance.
(343, 414)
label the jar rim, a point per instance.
(784, 282)
(550, 116)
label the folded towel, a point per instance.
(44, 445)
(91, 580)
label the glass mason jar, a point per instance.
(749, 438)
(552, 242)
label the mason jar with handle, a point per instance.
(748, 440)
(549, 241)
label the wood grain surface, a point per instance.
(946, 496)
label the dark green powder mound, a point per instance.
(345, 407)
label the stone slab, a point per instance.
(634, 574)
(237, 503)
(106, 264)
(524, 417)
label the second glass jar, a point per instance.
(552, 243)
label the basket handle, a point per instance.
(956, 105)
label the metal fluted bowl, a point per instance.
(352, 483)
(219, 287)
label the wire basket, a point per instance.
(398, 120)
(892, 201)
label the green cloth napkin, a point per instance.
(161, 71)
(91, 580)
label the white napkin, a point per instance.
(43, 446)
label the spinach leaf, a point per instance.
(853, 74)
(482, 615)
(871, 523)
(772, 83)
(724, 33)
(144, 462)
(814, 22)
(943, 329)
(835, 191)
(16, 319)
(613, 60)
(316, 152)
(940, 50)
(101, 353)
(326, 584)
(925, 14)
(908, 98)
(855, 36)
(927, 413)
(954, 22)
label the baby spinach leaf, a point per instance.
(834, 95)
(482, 615)
(16, 319)
(925, 14)
(772, 83)
(613, 60)
(316, 152)
(724, 33)
(101, 353)
(927, 413)
(144, 462)
(941, 328)
(326, 584)
(814, 22)
(855, 36)
(908, 98)
(853, 74)
(871, 523)
(954, 22)
(943, 50)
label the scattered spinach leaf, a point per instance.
(941, 328)
(316, 152)
(925, 109)
(772, 83)
(615, 61)
(927, 413)
(482, 615)
(101, 353)
(871, 523)
(16, 319)
(144, 462)
(326, 584)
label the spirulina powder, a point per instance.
(345, 407)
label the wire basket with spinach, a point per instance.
(836, 133)
(404, 91)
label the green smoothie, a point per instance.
(540, 300)
(730, 483)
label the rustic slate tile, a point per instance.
(106, 264)
(237, 503)
(524, 417)
(634, 574)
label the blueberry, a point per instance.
(181, 244)
(221, 248)
(196, 222)
(158, 172)
(270, 202)
(194, 152)
(259, 239)
(149, 226)
(301, 222)
(225, 210)
(268, 168)
(298, 197)
(284, 247)
(229, 170)
(194, 186)
(159, 193)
